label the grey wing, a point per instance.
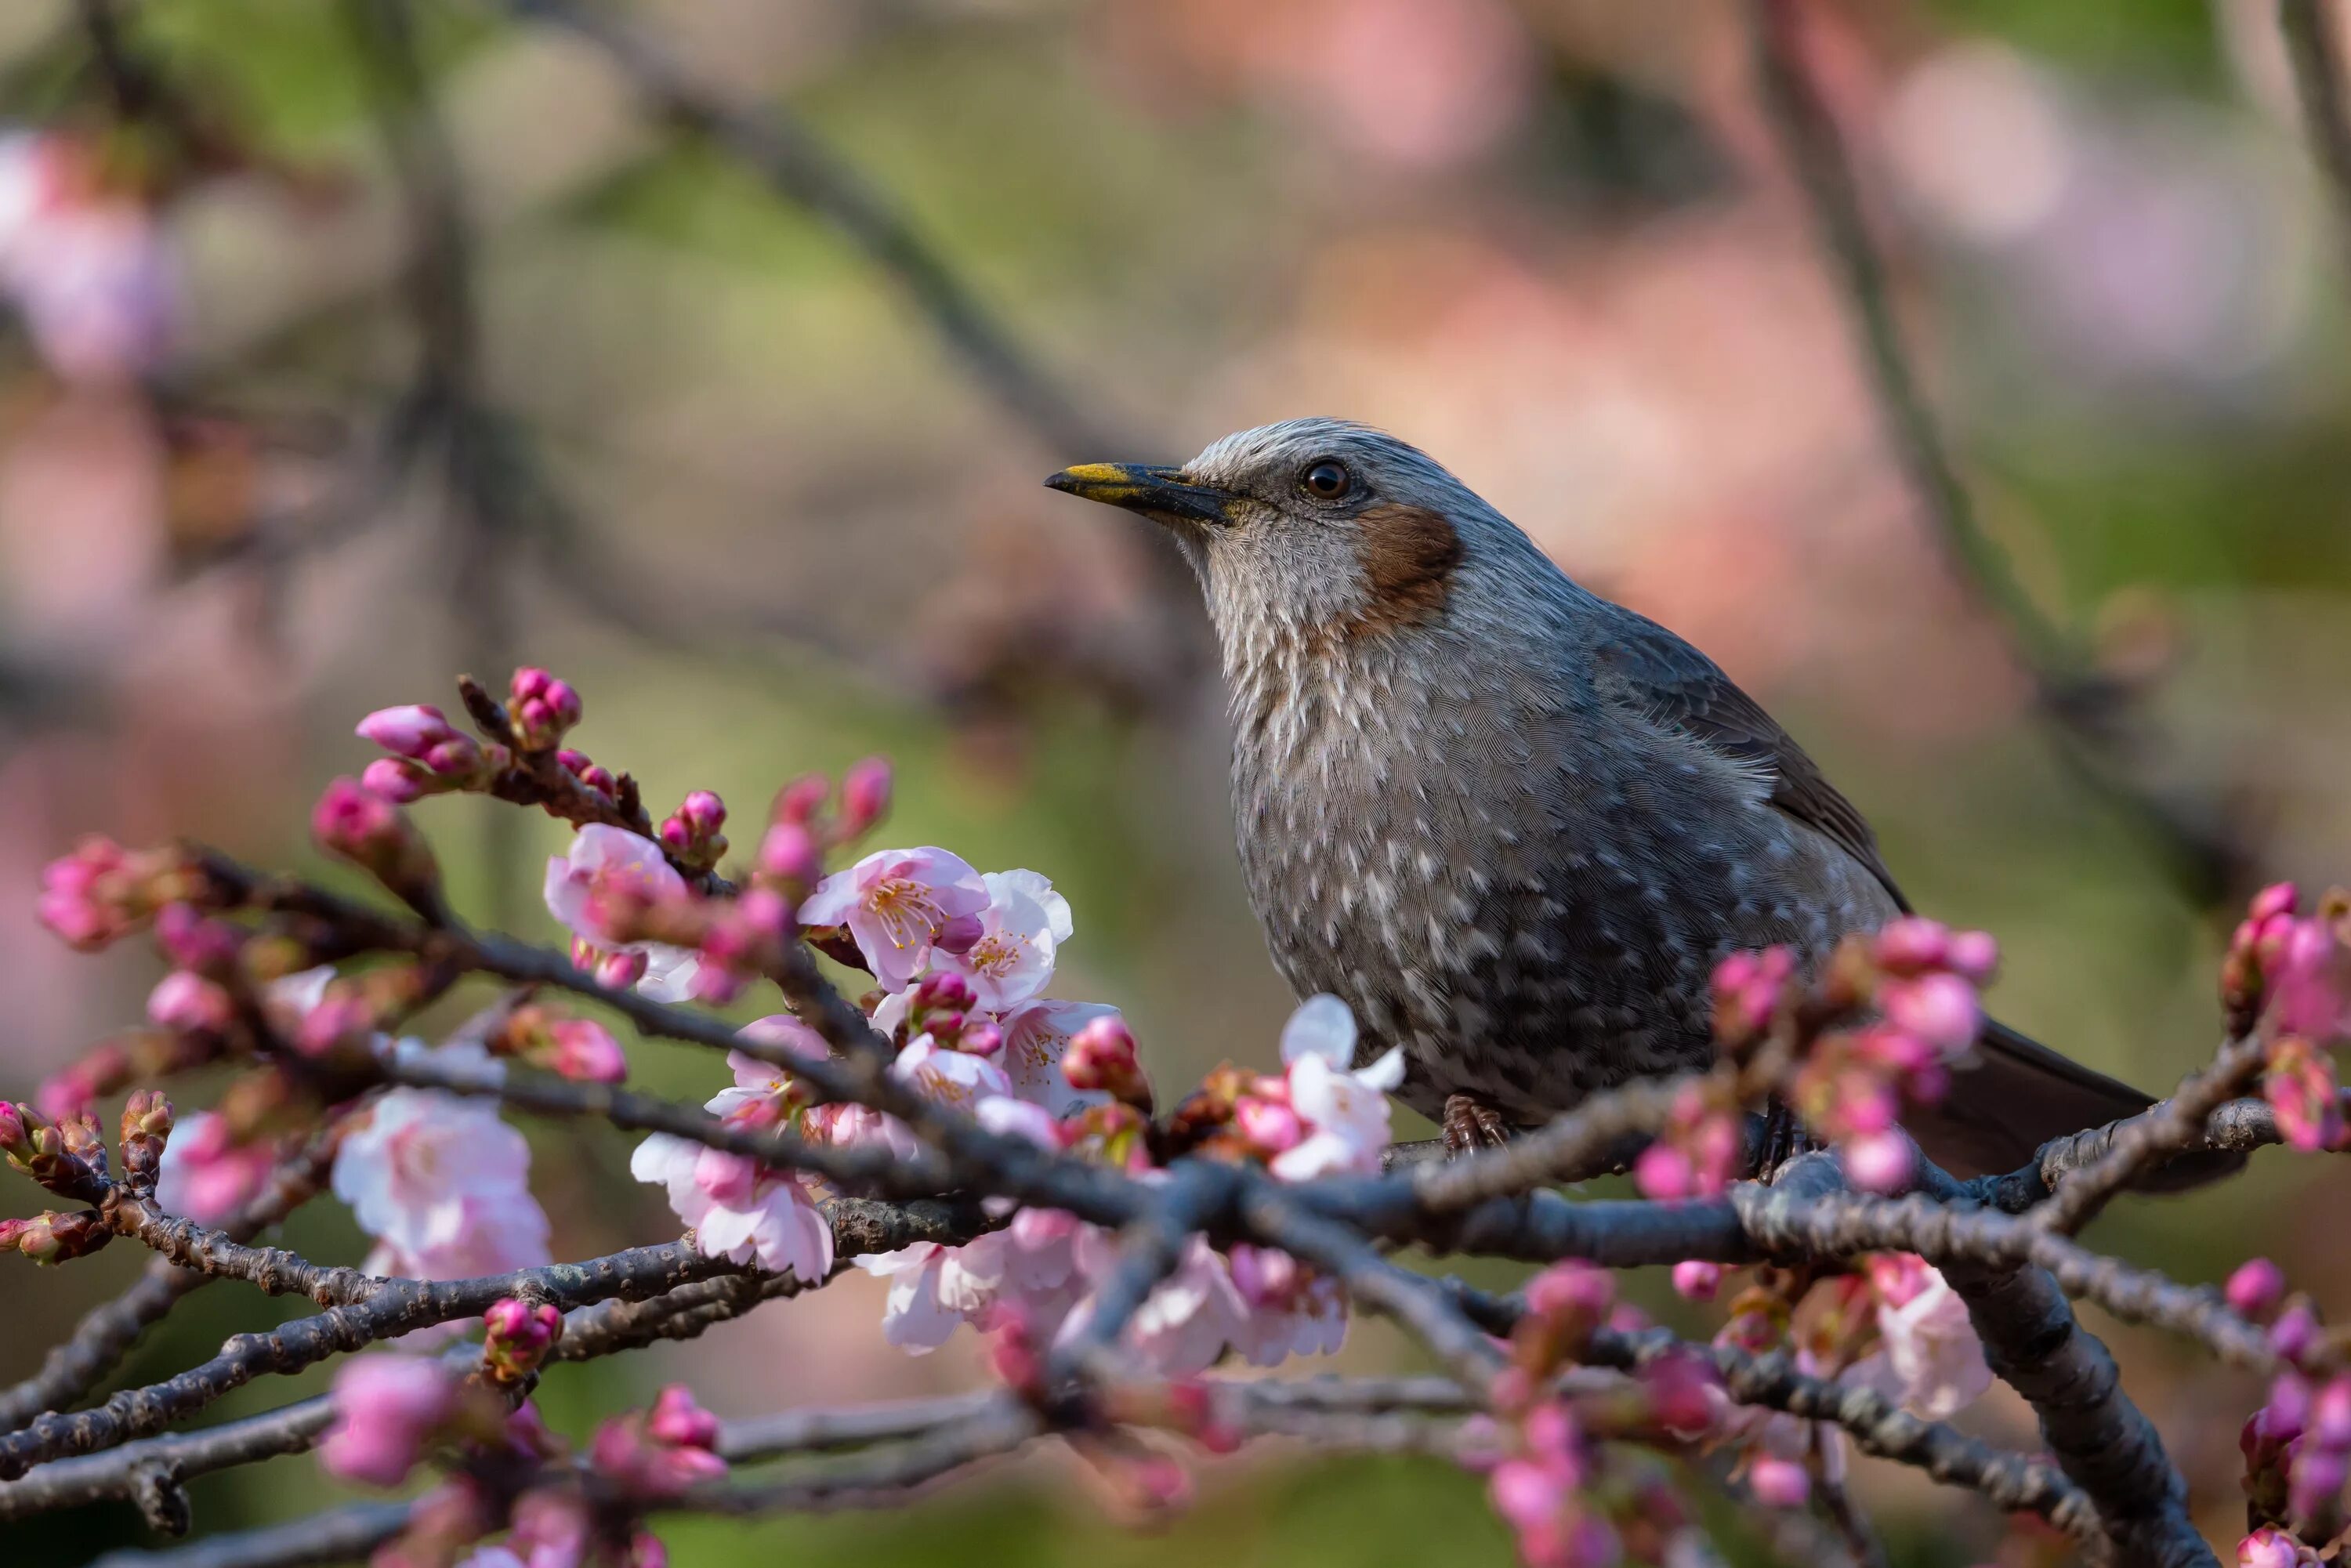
(1674, 684)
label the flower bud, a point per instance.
(1103, 1056)
(788, 854)
(363, 827)
(102, 892)
(2256, 1289)
(182, 1000)
(53, 1237)
(397, 779)
(800, 801)
(678, 1420)
(541, 708)
(518, 1336)
(1695, 1281)
(146, 1127)
(193, 940)
(386, 1408)
(1779, 1483)
(865, 791)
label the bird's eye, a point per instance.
(1326, 481)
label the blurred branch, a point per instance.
(2314, 41)
(798, 167)
(104, 1336)
(2205, 854)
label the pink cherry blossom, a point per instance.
(1024, 924)
(914, 1317)
(1931, 1363)
(443, 1183)
(206, 1176)
(604, 861)
(86, 266)
(955, 1079)
(739, 1209)
(386, 1408)
(1037, 1037)
(1344, 1112)
(899, 906)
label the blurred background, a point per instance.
(349, 345)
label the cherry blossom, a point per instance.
(901, 907)
(1344, 1113)
(1024, 922)
(86, 268)
(386, 1408)
(207, 1175)
(1932, 1364)
(605, 860)
(442, 1185)
(736, 1208)
(1037, 1036)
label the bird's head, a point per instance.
(1314, 528)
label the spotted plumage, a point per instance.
(1512, 825)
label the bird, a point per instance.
(1513, 825)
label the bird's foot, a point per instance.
(1784, 1137)
(1471, 1124)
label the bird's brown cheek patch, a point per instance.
(1409, 555)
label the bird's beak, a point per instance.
(1160, 492)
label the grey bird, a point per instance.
(1512, 825)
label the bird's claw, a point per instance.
(1470, 1125)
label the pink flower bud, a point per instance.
(800, 801)
(1573, 1292)
(397, 779)
(1664, 1172)
(1695, 1281)
(585, 1051)
(386, 1408)
(789, 853)
(2256, 1287)
(1878, 1162)
(1912, 945)
(1103, 1056)
(946, 989)
(407, 731)
(1973, 955)
(541, 708)
(518, 1336)
(192, 941)
(615, 971)
(2296, 1334)
(703, 811)
(865, 791)
(353, 821)
(678, 1419)
(646, 1550)
(16, 1122)
(184, 1001)
(1939, 1009)
(2278, 898)
(982, 1037)
(1269, 1126)
(1528, 1496)
(2272, 1546)
(96, 895)
(1779, 1483)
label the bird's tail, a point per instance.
(2014, 1094)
